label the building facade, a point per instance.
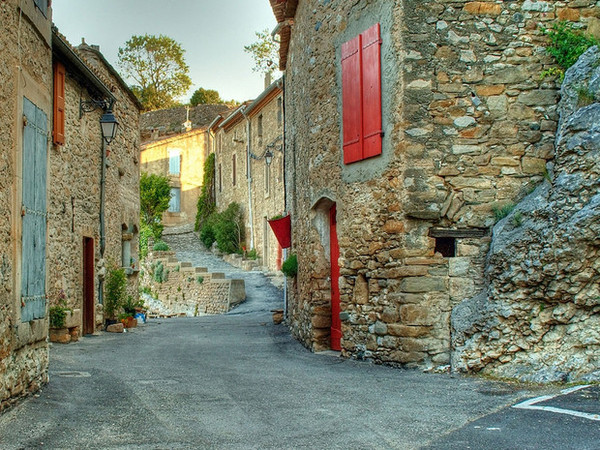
(248, 147)
(408, 126)
(26, 99)
(176, 144)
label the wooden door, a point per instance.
(88, 285)
(336, 324)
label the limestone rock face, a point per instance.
(539, 319)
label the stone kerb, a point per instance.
(187, 290)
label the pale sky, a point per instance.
(212, 32)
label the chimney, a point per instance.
(267, 79)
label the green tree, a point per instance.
(265, 52)
(155, 194)
(205, 97)
(206, 201)
(157, 66)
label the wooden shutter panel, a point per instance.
(351, 100)
(58, 132)
(371, 91)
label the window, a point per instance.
(233, 169)
(58, 120)
(174, 161)
(220, 179)
(361, 96)
(43, 6)
(267, 180)
(175, 201)
(279, 112)
(260, 129)
(446, 246)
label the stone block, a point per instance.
(73, 319)
(413, 331)
(459, 267)
(415, 315)
(115, 328)
(60, 335)
(533, 165)
(321, 321)
(483, 8)
(490, 90)
(393, 226)
(237, 292)
(423, 284)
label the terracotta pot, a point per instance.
(282, 228)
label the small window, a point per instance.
(446, 246)
(233, 169)
(174, 161)
(267, 180)
(175, 202)
(220, 179)
(42, 6)
(279, 112)
(260, 129)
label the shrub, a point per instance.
(200, 280)
(207, 233)
(252, 254)
(160, 274)
(145, 234)
(116, 283)
(206, 201)
(290, 266)
(500, 212)
(58, 314)
(224, 228)
(566, 45)
(161, 246)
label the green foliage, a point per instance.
(226, 228)
(207, 234)
(199, 279)
(517, 219)
(145, 234)
(58, 314)
(157, 66)
(265, 52)
(203, 96)
(125, 316)
(129, 306)
(160, 275)
(116, 283)
(252, 254)
(161, 246)
(206, 201)
(290, 266)
(585, 96)
(566, 45)
(155, 194)
(500, 212)
(278, 216)
(146, 290)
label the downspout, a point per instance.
(285, 252)
(248, 167)
(102, 225)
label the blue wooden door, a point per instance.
(33, 212)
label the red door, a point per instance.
(88, 285)
(336, 324)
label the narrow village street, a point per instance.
(238, 381)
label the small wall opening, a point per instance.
(446, 246)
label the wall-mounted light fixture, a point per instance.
(108, 122)
(268, 157)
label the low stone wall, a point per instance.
(190, 290)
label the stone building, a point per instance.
(176, 144)
(26, 104)
(93, 197)
(249, 168)
(408, 124)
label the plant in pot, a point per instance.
(116, 283)
(127, 318)
(58, 318)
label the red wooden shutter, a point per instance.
(351, 100)
(58, 131)
(371, 91)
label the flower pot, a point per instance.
(282, 228)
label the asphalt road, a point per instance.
(237, 381)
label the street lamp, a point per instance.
(109, 126)
(268, 157)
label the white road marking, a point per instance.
(531, 404)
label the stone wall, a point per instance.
(193, 150)
(468, 127)
(190, 290)
(539, 319)
(26, 71)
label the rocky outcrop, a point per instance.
(539, 319)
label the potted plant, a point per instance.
(116, 283)
(282, 228)
(128, 317)
(58, 318)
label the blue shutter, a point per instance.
(174, 162)
(175, 201)
(33, 256)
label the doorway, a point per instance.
(88, 286)
(334, 249)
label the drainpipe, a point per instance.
(102, 225)
(248, 167)
(285, 252)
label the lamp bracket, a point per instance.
(86, 106)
